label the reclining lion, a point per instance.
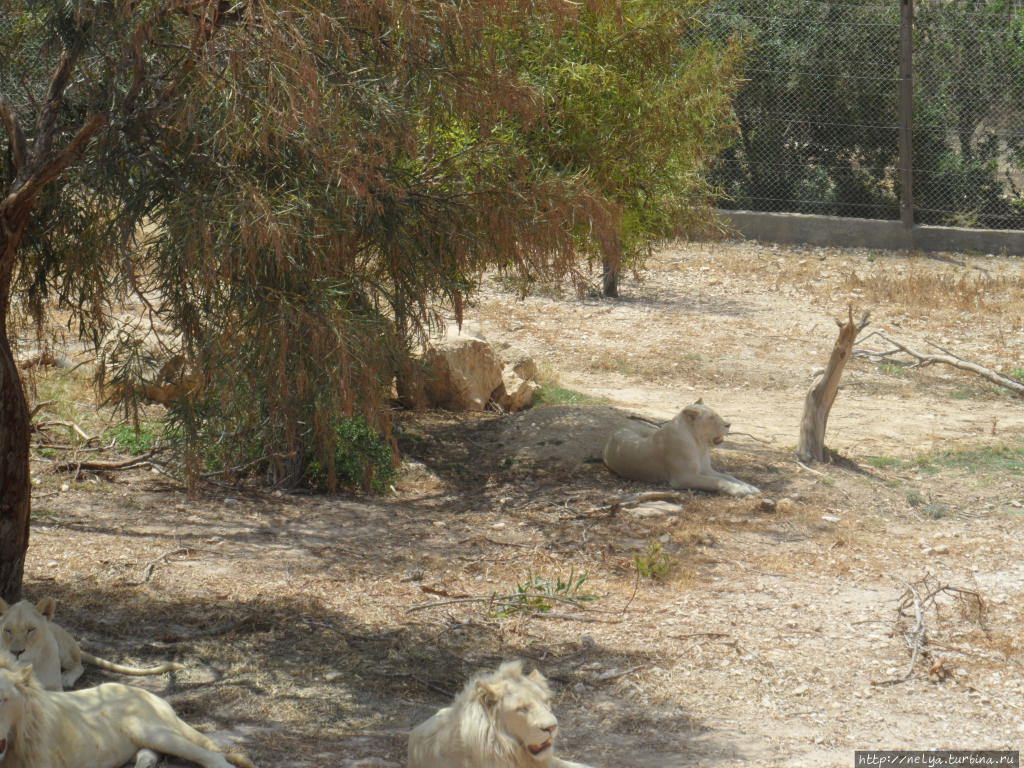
(30, 634)
(677, 453)
(501, 719)
(102, 727)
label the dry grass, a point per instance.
(918, 284)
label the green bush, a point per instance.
(362, 459)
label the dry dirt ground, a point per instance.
(317, 630)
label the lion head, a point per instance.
(25, 633)
(708, 427)
(519, 706)
(20, 715)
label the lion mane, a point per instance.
(500, 719)
(102, 727)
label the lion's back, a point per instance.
(629, 454)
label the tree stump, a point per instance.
(811, 448)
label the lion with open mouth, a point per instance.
(501, 719)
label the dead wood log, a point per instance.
(947, 358)
(818, 403)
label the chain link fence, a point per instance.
(820, 114)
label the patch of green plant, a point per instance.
(915, 498)
(128, 439)
(655, 563)
(552, 394)
(936, 510)
(964, 393)
(892, 369)
(539, 594)
(994, 458)
(882, 462)
(1017, 373)
(362, 458)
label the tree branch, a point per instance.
(17, 139)
(47, 121)
(54, 167)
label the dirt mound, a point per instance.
(567, 435)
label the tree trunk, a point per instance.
(818, 403)
(610, 278)
(15, 424)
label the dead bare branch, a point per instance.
(105, 466)
(920, 596)
(947, 358)
(147, 574)
(633, 499)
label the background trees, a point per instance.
(296, 190)
(818, 114)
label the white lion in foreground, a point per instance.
(102, 727)
(31, 635)
(677, 453)
(500, 719)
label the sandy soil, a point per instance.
(317, 630)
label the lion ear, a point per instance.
(47, 606)
(700, 401)
(537, 677)
(692, 411)
(486, 693)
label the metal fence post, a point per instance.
(906, 112)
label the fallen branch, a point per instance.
(69, 424)
(634, 499)
(39, 406)
(148, 572)
(104, 466)
(947, 358)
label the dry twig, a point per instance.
(920, 596)
(147, 574)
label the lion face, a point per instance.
(521, 704)
(708, 427)
(12, 683)
(24, 631)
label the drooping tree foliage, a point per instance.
(296, 189)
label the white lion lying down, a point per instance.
(102, 727)
(31, 635)
(677, 453)
(500, 719)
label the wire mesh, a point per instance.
(818, 115)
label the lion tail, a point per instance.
(96, 661)
(237, 758)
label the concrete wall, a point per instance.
(871, 233)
